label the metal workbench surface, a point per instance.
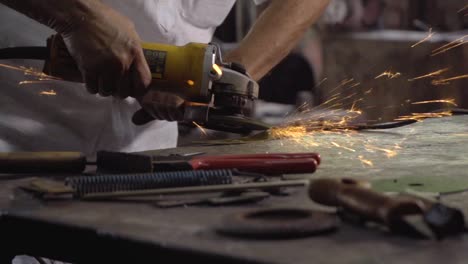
(433, 148)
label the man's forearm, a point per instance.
(60, 15)
(275, 33)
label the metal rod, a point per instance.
(196, 189)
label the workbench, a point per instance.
(100, 231)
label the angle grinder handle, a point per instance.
(264, 166)
(42, 162)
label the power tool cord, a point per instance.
(28, 53)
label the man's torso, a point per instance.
(76, 121)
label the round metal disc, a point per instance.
(278, 223)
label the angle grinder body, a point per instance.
(218, 95)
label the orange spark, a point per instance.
(349, 96)
(303, 129)
(463, 9)
(429, 75)
(388, 74)
(29, 82)
(365, 161)
(368, 91)
(288, 132)
(354, 109)
(49, 92)
(217, 70)
(343, 147)
(447, 80)
(444, 101)
(330, 100)
(202, 130)
(11, 67)
(346, 81)
(456, 43)
(430, 35)
(388, 152)
(422, 116)
(342, 83)
(30, 71)
(321, 82)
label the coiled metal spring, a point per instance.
(141, 181)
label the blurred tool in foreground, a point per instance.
(403, 214)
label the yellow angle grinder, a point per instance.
(220, 95)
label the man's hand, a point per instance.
(103, 43)
(159, 105)
(108, 53)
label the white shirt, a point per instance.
(74, 120)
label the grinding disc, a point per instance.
(280, 223)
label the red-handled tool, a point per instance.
(263, 165)
(285, 156)
(273, 163)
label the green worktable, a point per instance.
(433, 149)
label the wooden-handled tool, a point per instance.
(40, 162)
(350, 196)
(395, 212)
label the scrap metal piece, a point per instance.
(278, 223)
(243, 198)
(47, 189)
(173, 203)
(45, 186)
